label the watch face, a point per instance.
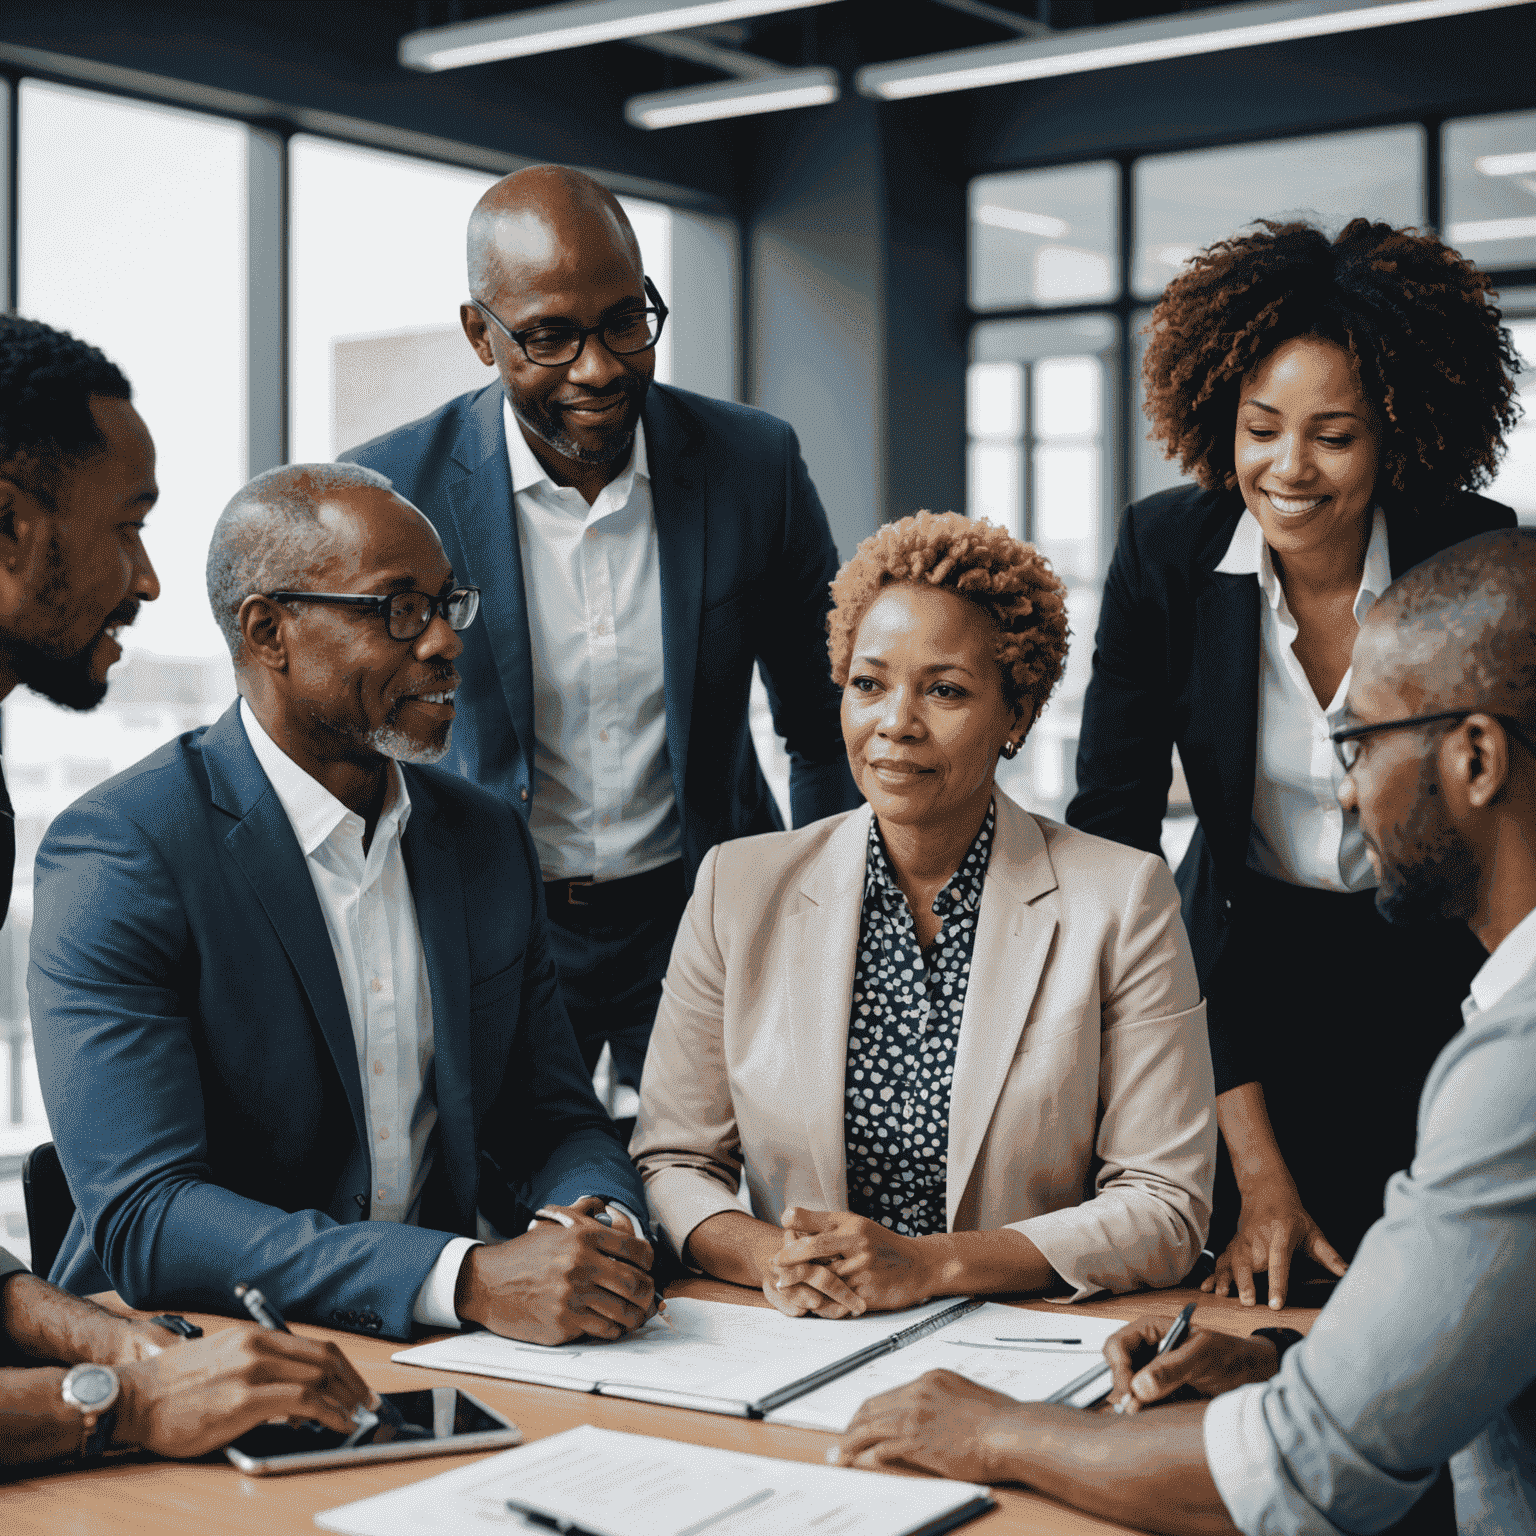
(91, 1385)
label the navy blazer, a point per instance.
(1176, 661)
(746, 557)
(198, 1062)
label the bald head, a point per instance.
(272, 532)
(543, 218)
(1459, 631)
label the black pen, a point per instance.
(265, 1314)
(1170, 1340)
(542, 1517)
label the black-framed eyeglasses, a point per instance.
(1346, 743)
(406, 614)
(624, 334)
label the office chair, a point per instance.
(49, 1204)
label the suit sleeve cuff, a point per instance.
(434, 1301)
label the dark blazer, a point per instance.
(745, 555)
(1176, 661)
(197, 1056)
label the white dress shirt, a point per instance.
(1301, 834)
(370, 915)
(602, 801)
(1512, 960)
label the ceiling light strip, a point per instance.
(733, 98)
(551, 28)
(1142, 42)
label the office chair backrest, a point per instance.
(50, 1206)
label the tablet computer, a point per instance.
(432, 1422)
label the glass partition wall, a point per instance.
(1065, 264)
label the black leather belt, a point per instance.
(581, 899)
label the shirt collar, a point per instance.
(312, 810)
(1506, 965)
(964, 886)
(527, 472)
(1248, 555)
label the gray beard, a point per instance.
(391, 741)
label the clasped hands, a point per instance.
(836, 1264)
(557, 1283)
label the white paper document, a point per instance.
(613, 1484)
(977, 1347)
(711, 1355)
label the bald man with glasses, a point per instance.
(641, 549)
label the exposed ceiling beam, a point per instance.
(1025, 26)
(729, 61)
(1139, 42)
(551, 28)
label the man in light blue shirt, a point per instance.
(1427, 1350)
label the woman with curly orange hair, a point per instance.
(954, 1047)
(1336, 402)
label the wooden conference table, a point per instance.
(166, 1498)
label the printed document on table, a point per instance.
(970, 1347)
(713, 1355)
(633, 1485)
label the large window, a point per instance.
(157, 234)
(132, 234)
(1057, 440)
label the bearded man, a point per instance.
(296, 1018)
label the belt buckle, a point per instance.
(570, 890)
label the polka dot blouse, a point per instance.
(902, 1037)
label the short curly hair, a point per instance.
(1417, 318)
(47, 378)
(1010, 581)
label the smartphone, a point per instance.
(435, 1421)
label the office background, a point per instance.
(258, 213)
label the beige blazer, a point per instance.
(1081, 1113)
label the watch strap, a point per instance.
(99, 1436)
(1281, 1338)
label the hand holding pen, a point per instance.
(1205, 1361)
(268, 1318)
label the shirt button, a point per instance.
(378, 1069)
(602, 735)
(384, 1133)
(375, 985)
(383, 1193)
(523, 793)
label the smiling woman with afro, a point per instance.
(1336, 401)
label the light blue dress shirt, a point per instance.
(1427, 1350)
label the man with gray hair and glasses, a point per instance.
(310, 974)
(1426, 1352)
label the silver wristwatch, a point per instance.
(93, 1390)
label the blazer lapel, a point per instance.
(1013, 943)
(820, 946)
(262, 844)
(1224, 702)
(437, 891)
(486, 519)
(679, 500)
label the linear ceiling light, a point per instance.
(553, 27)
(733, 98)
(1141, 42)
